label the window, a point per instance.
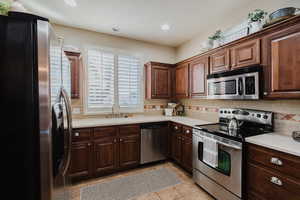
(113, 83)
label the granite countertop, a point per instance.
(96, 122)
(277, 141)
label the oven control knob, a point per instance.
(265, 116)
(225, 112)
(258, 115)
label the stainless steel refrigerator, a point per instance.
(36, 121)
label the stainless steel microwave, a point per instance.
(243, 83)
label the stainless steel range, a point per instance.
(218, 150)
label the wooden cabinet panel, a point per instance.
(81, 134)
(282, 162)
(245, 54)
(260, 181)
(129, 130)
(75, 63)
(105, 155)
(187, 153)
(182, 81)
(158, 78)
(80, 165)
(177, 147)
(129, 151)
(282, 60)
(102, 132)
(219, 61)
(198, 73)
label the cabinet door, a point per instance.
(129, 151)
(74, 59)
(182, 81)
(283, 63)
(187, 153)
(161, 82)
(105, 155)
(245, 54)
(177, 147)
(198, 73)
(81, 165)
(219, 61)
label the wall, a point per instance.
(83, 39)
(193, 46)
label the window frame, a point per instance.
(116, 108)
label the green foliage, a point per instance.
(257, 15)
(4, 8)
(216, 36)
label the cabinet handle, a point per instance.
(76, 134)
(176, 127)
(121, 140)
(187, 131)
(265, 93)
(276, 181)
(89, 144)
(276, 161)
(115, 140)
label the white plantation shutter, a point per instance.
(129, 82)
(100, 83)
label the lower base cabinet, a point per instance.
(129, 151)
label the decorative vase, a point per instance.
(216, 43)
(255, 26)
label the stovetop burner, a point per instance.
(249, 123)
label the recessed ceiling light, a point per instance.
(165, 27)
(71, 3)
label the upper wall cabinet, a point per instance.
(198, 73)
(158, 80)
(219, 61)
(74, 59)
(245, 54)
(282, 60)
(182, 81)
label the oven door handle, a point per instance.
(230, 146)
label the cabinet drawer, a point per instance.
(187, 131)
(129, 130)
(103, 132)
(272, 184)
(285, 163)
(81, 135)
(176, 128)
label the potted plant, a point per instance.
(4, 8)
(255, 20)
(216, 37)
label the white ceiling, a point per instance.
(139, 19)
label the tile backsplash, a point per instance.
(286, 112)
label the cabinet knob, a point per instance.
(89, 144)
(276, 161)
(115, 140)
(182, 139)
(76, 134)
(187, 131)
(276, 181)
(121, 140)
(176, 127)
(265, 93)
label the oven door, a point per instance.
(228, 173)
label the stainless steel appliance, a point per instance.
(243, 83)
(38, 145)
(224, 181)
(153, 142)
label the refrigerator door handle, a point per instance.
(69, 130)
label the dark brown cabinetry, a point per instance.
(272, 174)
(245, 54)
(75, 63)
(219, 61)
(198, 73)
(182, 81)
(282, 59)
(98, 151)
(158, 80)
(182, 148)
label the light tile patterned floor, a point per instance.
(187, 190)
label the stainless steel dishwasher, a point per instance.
(153, 142)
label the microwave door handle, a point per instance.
(69, 130)
(240, 86)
